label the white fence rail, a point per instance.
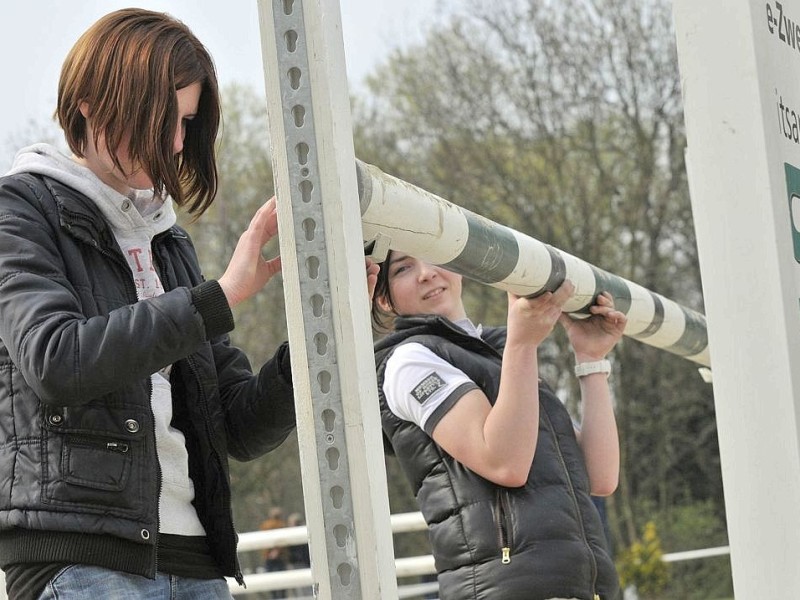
(415, 566)
(406, 567)
(301, 578)
(695, 554)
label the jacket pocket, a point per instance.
(94, 460)
(93, 472)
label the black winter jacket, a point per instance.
(79, 475)
(542, 540)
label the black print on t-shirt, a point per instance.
(426, 388)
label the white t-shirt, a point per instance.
(422, 387)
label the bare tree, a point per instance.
(564, 120)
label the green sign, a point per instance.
(793, 189)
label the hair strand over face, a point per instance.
(381, 319)
(127, 68)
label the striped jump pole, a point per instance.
(399, 216)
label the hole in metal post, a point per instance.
(306, 187)
(337, 496)
(310, 229)
(324, 379)
(288, 7)
(295, 75)
(317, 304)
(291, 40)
(345, 573)
(312, 267)
(299, 114)
(328, 419)
(340, 533)
(302, 153)
(333, 458)
(321, 341)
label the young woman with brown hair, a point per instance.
(121, 396)
(502, 478)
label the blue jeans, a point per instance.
(78, 582)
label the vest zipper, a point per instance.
(503, 527)
(579, 515)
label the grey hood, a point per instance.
(153, 214)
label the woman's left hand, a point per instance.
(594, 337)
(372, 276)
(248, 271)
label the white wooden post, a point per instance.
(333, 367)
(740, 71)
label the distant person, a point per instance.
(502, 478)
(299, 557)
(275, 559)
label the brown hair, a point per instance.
(127, 67)
(381, 319)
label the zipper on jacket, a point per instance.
(503, 527)
(119, 259)
(158, 479)
(203, 404)
(116, 257)
(120, 447)
(574, 497)
(116, 447)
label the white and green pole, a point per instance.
(399, 216)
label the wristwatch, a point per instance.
(587, 368)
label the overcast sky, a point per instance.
(36, 35)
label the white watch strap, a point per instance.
(587, 368)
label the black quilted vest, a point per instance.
(539, 541)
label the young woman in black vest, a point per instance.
(502, 477)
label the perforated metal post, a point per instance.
(333, 367)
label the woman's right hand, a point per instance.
(531, 320)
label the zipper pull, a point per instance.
(507, 557)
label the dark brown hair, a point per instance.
(381, 319)
(128, 67)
